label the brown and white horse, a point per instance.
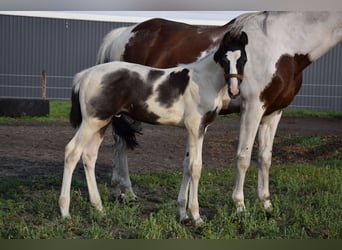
(163, 44)
(281, 45)
(187, 96)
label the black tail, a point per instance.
(75, 112)
(125, 130)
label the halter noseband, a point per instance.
(238, 76)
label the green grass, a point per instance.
(59, 111)
(315, 113)
(305, 141)
(307, 203)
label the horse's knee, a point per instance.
(243, 161)
(196, 170)
(265, 159)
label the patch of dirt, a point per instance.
(36, 149)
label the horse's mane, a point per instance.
(241, 21)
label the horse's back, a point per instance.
(162, 43)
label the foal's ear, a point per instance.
(243, 38)
(227, 38)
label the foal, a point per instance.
(189, 96)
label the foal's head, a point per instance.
(232, 57)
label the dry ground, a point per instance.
(36, 149)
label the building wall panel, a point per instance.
(64, 47)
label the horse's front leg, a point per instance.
(195, 144)
(251, 115)
(267, 131)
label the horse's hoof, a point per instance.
(186, 221)
(240, 209)
(199, 222)
(126, 199)
(66, 217)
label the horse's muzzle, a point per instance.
(233, 82)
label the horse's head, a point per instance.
(232, 57)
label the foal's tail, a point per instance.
(125, 130)
(75, 115)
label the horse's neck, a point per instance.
(312, 33)
(327, 32)
(207, 71)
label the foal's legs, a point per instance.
(73, 152)
(267, 130)
(192, 172)
(81, 142)
(89, 157)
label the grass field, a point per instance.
(307, 203)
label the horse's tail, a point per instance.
(104, 53)
(75, 115)
(125, 130)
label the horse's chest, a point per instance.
(285, 82)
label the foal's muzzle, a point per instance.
(233, 86)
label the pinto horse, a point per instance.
(187, 96)
(281, 45)
(163, 44)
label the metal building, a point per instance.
(61, 47)
(64, 46)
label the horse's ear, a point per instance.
(243, 38)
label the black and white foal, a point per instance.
(189, 96)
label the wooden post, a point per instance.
(44, 84)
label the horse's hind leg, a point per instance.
(267, 130)
(183, 192)
(73, 152)
(89, 157)
(120, 177)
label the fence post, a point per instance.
(44, 84)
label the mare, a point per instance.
(163, 44)
(281, 45)
(187, 96)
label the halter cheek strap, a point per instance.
(238, 76)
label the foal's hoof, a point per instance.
(66, 217)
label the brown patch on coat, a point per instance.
(163, 44)
(285, 83)
(173, 87)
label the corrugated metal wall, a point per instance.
(64, 47)
(322, 84)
